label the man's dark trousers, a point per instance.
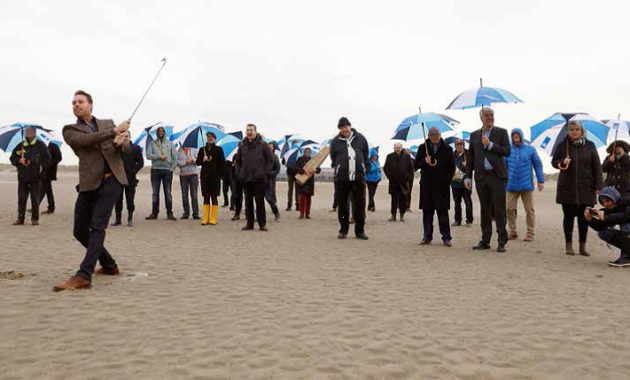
(345, 190)
(128, 193)
(91, 216)
(491, 191)
(46, 190)
(26, 189)
(255, 191)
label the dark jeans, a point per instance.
(617, 238)
(226, 189)
(128, 193)
(292, 185)
(372, 187)
(458, 195)
(270, 195)
(26, 189)
(399, 200)
(491, 192)
(408, 203)
(47, 191)
(427, 224)
(255, 191)
(345, 190)
(570, 213)
(164, 177)
(91, 215)
(190, 184)
(237, 195)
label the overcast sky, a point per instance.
(296, 67)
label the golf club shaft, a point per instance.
(148, 89)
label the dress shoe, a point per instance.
(307, 217)
(184, 217)
(151, 217)
(18, 222)
(277, 217)
(468, 224)
(196, 217)
(263, 228)
(247, 228)
(129, 223)
(116, 223)
(342, 235)
(171, 217)
(74, 282)
(34, 222)
(393, 218)
(501, 248)
(447, 243)
(362, 236)
(47, 212)
(107, 272)
(236, 217)
(301, 216)
(456, 224)
(481, 246)
(425, 242)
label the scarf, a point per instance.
(352, 157)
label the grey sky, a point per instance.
(296, 67)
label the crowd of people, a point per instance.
(502, 166)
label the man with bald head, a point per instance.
(488, 147)
(399, 170)
(437, 167)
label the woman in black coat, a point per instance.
(437, 167)
(306, 191)
(579, 182)
(617, 167)
(212, 162)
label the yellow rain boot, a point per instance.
(206, 215)
(215, 213)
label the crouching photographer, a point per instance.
(616, 212)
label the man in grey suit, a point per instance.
(488, 146)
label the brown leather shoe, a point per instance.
(34, 222)
(171, 217)
(74, 282)
(151, 217)
(107, 272)
(512, 236)
(18, 222)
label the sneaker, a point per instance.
(362, 236)
(501, 248)
(620, 262)
(307, 217)
(130, 224)
(117, 222)
(447, 243)
(456, 224)
(301, 216)
(342, 235)
(425, 242)
(468, 224)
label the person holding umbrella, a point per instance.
(49, 176)
(307, 190)
(488, 147)
(133, 162)
(32, 159)
(212, 162)
(437, 167)
(579, 182)
(163, 156)
(460, 192)
(399, 171)
(617, 167)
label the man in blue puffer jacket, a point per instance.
(522, 160)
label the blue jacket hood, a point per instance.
(520, 133)
(610, 193)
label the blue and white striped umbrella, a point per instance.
(149, 134)
(482, 97)
(618, 130)
(292, 142)
(411, 127)
(237, 134)
(229, 144)
(547, 134)
(290, 158)
(413, 150)
(12, 135)
(451, 138)
(326, 142)
(194, 136)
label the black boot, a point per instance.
(130, 219)
(117, 220)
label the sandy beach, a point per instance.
(297, 303)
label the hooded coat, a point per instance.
(519, 165)
(374, 171)
(435, 181)
(577, 184)
(618, 172)
(619, 215)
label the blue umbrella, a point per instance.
(412, 127)
(149, 134)
(413, 150)
(229, 144)
(194, 136)
(619, 129)
(237, 134)
(12, 135)
(297, 151)
(460, 135)
(547, 134)
(482, 97)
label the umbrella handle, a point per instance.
(565, 167)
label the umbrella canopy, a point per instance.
(618, 130)
(12, 135)
(291, 142)
(237, 134)
(150, 133)
(459, 135)
(194, 136)
(326, 142)
(291, 156)
(413, 150)
(547, 134)
(229, 144)
(411, 127)
(482, 97)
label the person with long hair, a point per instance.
(212, 162)
(307, 190)
(579, 182)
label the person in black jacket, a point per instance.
(617, 167)
(349, 153)
(133, 161)
(292, 187)
(488, 147)
(307, 190)
(31, 158)
(579, 182)
(237, 189)
(616, 212)
(48, 176)
(270, 189)
(212, 162)
(399, 170)
(437, 167)
(255, 161)
(407, 153)
(227, 184)
(460, 192)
